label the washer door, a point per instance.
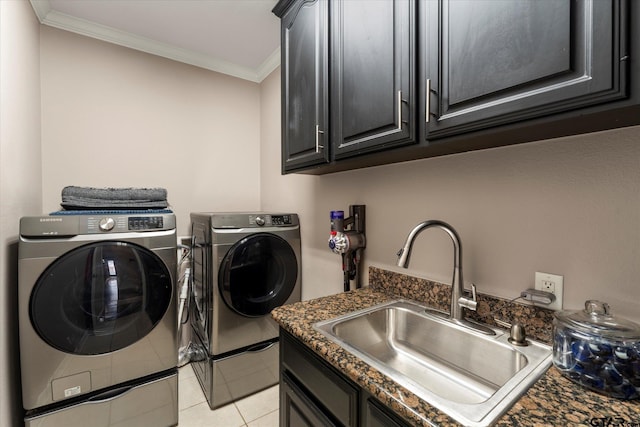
(258, 274)
(99, 298)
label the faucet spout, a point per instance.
(458, 298)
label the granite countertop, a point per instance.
(552, 401)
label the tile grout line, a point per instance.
(241, 416)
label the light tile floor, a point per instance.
(257, 410)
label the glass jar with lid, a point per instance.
(598, 350)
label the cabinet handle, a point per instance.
(318, 132)
(399, 110)
(427, 101)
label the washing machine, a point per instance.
(244, 265)
(98, 319)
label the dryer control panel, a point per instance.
(270, 220)
(236, 220)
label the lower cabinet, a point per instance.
(313, 393)
(376, 415)
(297, 408)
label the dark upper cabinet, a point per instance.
(304, 70)
(372, 68)
(489, 63)
(371, 82)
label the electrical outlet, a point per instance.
(548, 286)
(550, 283)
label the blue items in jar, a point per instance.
(598, 351)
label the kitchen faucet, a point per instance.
(458, 298)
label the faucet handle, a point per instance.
(474, 295)
(472, 303)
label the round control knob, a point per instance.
(107, 224)
(260, 221)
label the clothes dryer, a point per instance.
(97, 319)
(243, 266)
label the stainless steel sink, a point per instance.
(472, 377)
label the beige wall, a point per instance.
(20, 178)
(568, 206)
(116, 117)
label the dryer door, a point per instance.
(258, 274)
(100, 297)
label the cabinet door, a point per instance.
(297, 409)
(375, 415)
(304, 44)
(494, 62)
(372, 75)
(329, 389)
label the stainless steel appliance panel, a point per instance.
(103, 352)
(151, 404)
(238, 375)
(244, 266)
(232, 329)
(221, 327)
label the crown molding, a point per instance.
(270, 64)
(62, 21)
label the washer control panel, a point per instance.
(125, 223)
(72, 225)
(145, 223)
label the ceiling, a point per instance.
(235, 37)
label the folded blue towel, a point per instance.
(75, 198)
(110, 211)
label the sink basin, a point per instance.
(472, 377)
